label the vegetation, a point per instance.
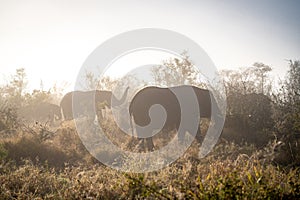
(257, 156)
(235, 175)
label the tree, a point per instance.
(13, 91)
(18, 82)
(248, 80)
(176, 71)
(292, 84)
(105, 83)
(249, 108)
(288, 101)
(11, 99)
(287, 114)
(261, 71)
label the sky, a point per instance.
(52, 39)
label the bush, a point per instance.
(30, 147)
(8, 118)
(287, 117)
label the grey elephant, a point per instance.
(88, 103)
(41, 112)
(149, 96)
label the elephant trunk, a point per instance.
(120, 101)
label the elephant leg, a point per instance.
(199, 136)
(149, 143)
(181, 137)
(145, 144)
(132, 143)
(141, 144)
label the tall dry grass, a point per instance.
(52, 163)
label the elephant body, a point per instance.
(149, 96)
(87, 103)
(42, 112)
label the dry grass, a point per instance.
(59, 167)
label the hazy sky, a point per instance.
(52, 39)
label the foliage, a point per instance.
(92, 82)
(235, 176)
(3, 152)
(248, 80)
(174, 72)
(287, 115)
(249, 105)
(40, 144)
(8, 118)
(18, 83)
(13, 92)
(36, 97)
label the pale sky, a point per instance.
(52, 39)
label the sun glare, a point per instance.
(130, 61)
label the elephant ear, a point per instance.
(119, 102)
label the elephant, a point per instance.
(149, 96)
(85, 105)
(42, 112)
